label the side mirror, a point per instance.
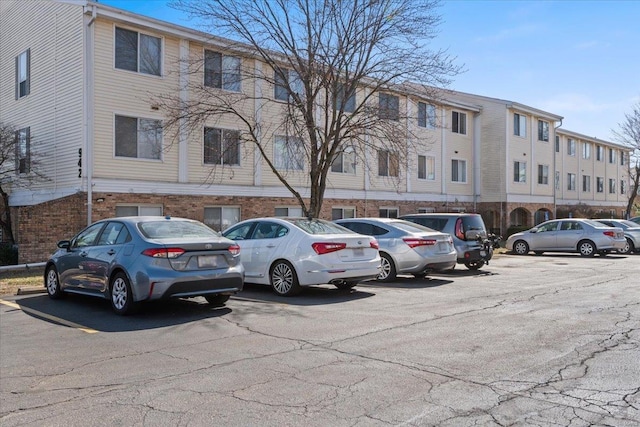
(533, 230)
(64, 244)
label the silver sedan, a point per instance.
(584, 236)
(406, 247)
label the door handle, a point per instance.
(83, 254)
(271, 246)
(111, 252)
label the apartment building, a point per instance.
(78, 81)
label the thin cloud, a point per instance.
(509, 33)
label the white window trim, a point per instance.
(136, 159)
(138, 73)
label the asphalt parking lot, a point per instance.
(527, 340)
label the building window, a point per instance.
(600, 153)
(543, 131)
(426, 210)
(23, 150)
(458, 170)
(287, 82)
(612, 155)
(622, 158)
(458, 122)
(389, 106)
(557, 180)
(586, 150)
(288, 211)
(557, 144)
(348, 105)
(288, 153)
(571, 147)
(388, 163)
(220, 218)
(221, 71)
(341, 213)
(388, 212)
(600, 184)
(623, 187)
(571, 181)
(586, 184)
(138, 52)
(543, 174)
(612, 186)
(23, 74)
(519, 171)
(519, 125)
(138, 210)
(426, 115)
(345, 162)
(138, 138)
(221, 147)
(427, 167)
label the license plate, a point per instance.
(443, 247)
(207, 261)
(358, 252)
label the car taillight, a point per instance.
(163, 252)
(374, 244)
(234, 249)
(610, 233)
(322, 248)
(459, 230)
(414, 242)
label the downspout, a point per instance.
(88, 112)
(555, 155)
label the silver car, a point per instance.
(631, 232)
(406, 247)
(584, 236)
(134, 259)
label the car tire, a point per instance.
(520, 247)
(121, 296)
(345, 286)
(628, 248)
(217, 300)
(388, 269)
(284, 280)
(474, 265)
(586, 248)
(52, 283)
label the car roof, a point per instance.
(444, 214)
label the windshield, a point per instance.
(319, 226)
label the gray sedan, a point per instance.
(584, 236)
(406, 247)
(631, 232)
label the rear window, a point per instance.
(167, 229)
(318, 226)
(437, 224)
(473, 222)
(411, 227)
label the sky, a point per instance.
(579, 59)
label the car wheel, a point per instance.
(521, 247)
(217, 300)
(52, 283)
(628, 248)
(387, 270)
(283, 279)
(121, 295)
(586, 248)
(345, 286)
(474, 265)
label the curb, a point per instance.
(30, 291)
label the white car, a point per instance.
(584, 236)
(290, 253)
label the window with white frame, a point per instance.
(385, 212)
(138, 210)
(612, 186)
(345, 162)
(138, 138)
(622, 158)
(571, 147)
(138, 52)
(519, 171)
(458, 170)
(23, 150)
(287, 82)
(458, 122)
(557, 180)
(427, 167)
(557, 144)
(23, 74)
(586, 183)
(348, 105)
(341, 213)
(543, 131)
(623, 187)
(543, 174)
(571, 181)
(612, 155)
(586, 150)
(388, 163)
(222, 71)
(519, 125)
(288, 153)
(426, 115)
(388, 106)
(293, 211)
(220, 218)
(600, 184)
(426, 210)
(600, 153)
(221, 146)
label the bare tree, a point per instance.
(333, 69)
(628, 133)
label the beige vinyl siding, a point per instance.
(53, 109)
(126, 93)
(493, 154)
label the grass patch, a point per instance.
(11, 281)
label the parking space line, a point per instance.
(49, 317)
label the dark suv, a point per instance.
(467, 230)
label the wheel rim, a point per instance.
(586, 248)
(119, 293)
(521, 248)
(282, 278)
(385, 268)
(626, 248)
(52, 282)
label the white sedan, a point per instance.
(290, 253)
